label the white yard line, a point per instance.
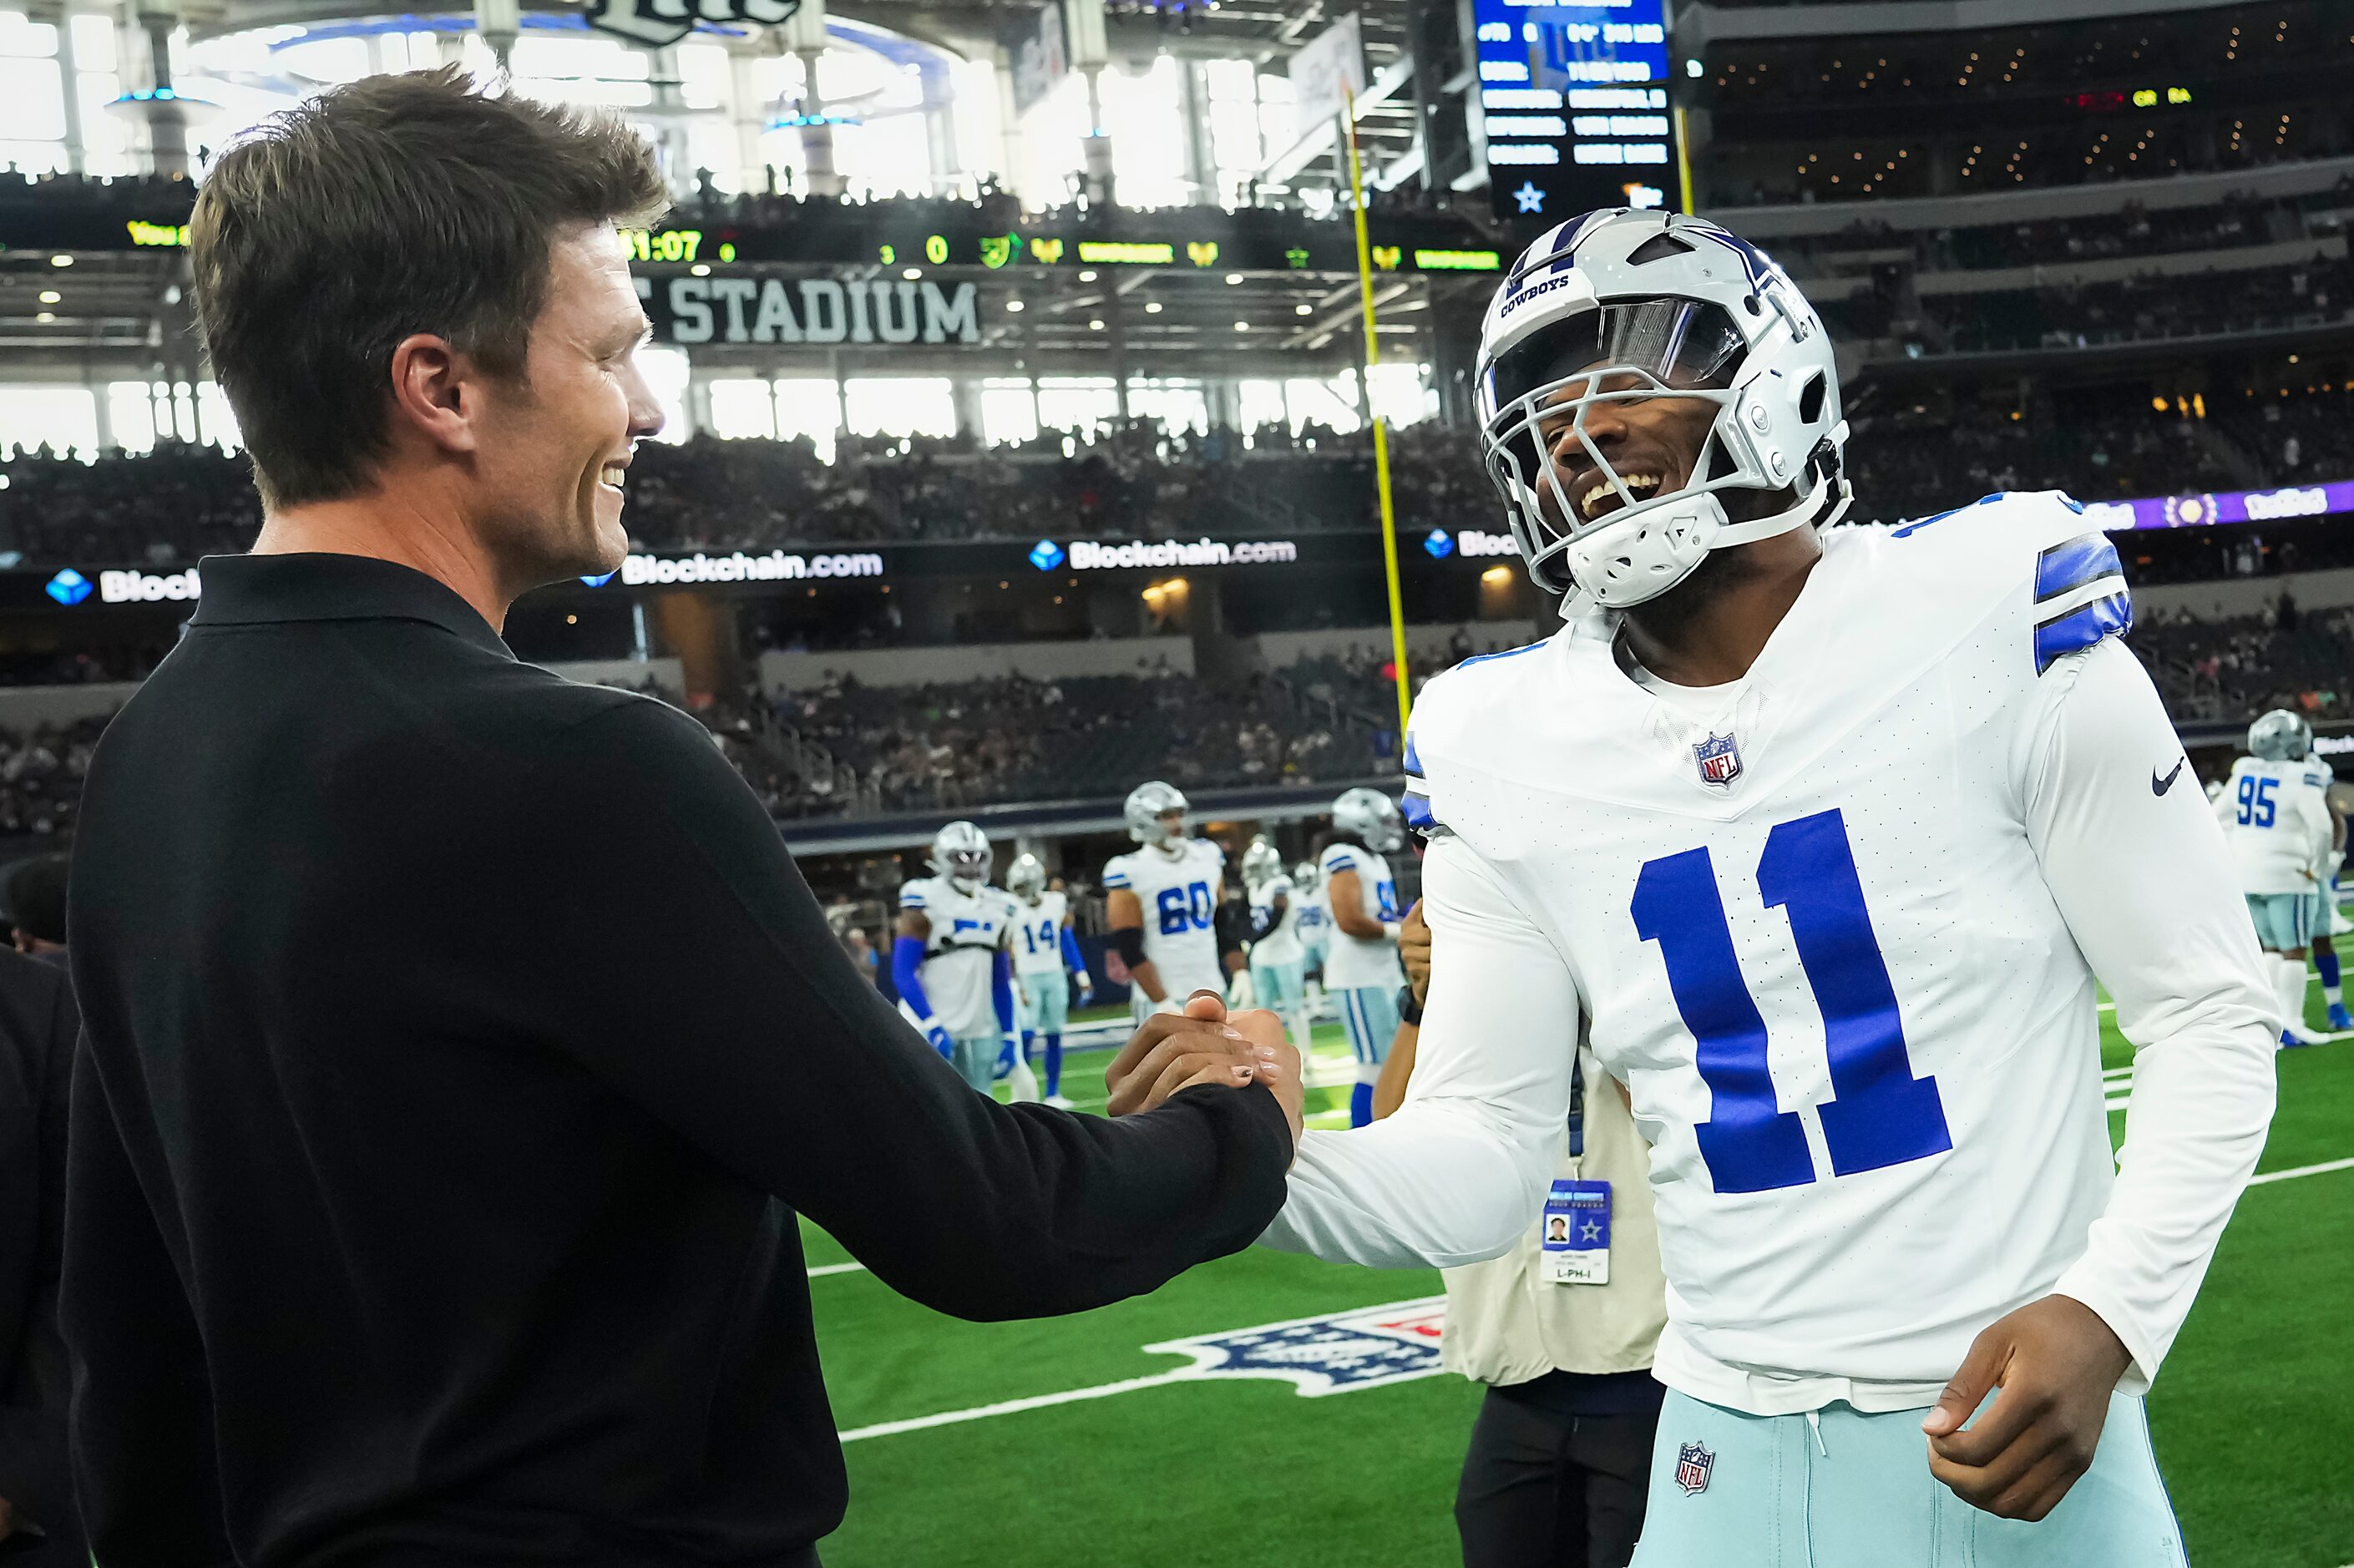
(822, 1269)
(2294, 1173)
(1011, 1406)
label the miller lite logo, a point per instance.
(1692, 1464)
(1719, 757)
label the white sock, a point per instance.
(2333, 996)
(1022, 1084)
(2289, 979)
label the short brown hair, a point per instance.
(393, 206)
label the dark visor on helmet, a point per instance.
(1685, 343)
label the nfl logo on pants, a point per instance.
(1692, 1466)
(1720, 760)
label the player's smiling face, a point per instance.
(564, 433)
(1653, 443)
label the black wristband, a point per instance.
(1409, 1010)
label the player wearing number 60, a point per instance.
(1820, 836)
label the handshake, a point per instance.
(1202, 1045)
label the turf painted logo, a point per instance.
(1332, 1354)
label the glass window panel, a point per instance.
(1330, 403)
(742, 409)
(1262, 404)
(702, 75)
(811, 407)
(1076, 402)
(32, 101)
(93, 42)
(900, 405)
(325, 60)
(1179, 406)
(216, 424)
(32, 157)
(666, 372)
(130, 414)
(1402, 395)
(1232, 78)
(1147, 154)
(24, 37)
(62, 418)
(1008, 414)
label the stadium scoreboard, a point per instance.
(1574, 102)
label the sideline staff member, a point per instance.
(1560, 1461)
(39, 1525)
(407, 1225)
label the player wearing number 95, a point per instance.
(1820, 837)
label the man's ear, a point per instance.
(436, 391)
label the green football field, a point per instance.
(1033, 1444)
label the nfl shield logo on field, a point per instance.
(1720, 760)
(1692, 1466)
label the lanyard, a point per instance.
(1576, 1110)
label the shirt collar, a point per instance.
(256, 590)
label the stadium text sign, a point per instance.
(2209, 508)
(640, 571)
(727, 308)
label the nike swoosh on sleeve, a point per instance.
(2160, 785)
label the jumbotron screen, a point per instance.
(1575, 98)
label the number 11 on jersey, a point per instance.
(1880, 1114)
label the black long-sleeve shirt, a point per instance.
(453, 1032)
(37, 1025)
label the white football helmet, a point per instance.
(1370, 818)
(1026, 877)
(2281, 736)
(1144, 807)
(960, 852)
(1617, 306)
(1262, 863)
(1305, 876)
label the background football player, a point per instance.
(1818, 838)
(1315, 920)
(952, 964)
(1160, 903)
(1360, 968)
(1278, 962)
(2276, 810)
(1046, 961)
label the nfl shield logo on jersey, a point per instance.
(1720, 760)
(1692, 1464)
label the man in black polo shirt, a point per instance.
(410, 1220)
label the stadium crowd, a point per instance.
(1144, 481)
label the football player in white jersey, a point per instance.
(1361, 969)
(1315, 932)
(1818, 838)
(1278, 962)
(1047, 960)
(1161, 904)
(952, 966)
(2276, 810)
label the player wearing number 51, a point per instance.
(1819, 837)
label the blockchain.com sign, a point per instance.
(736, 566)
(1108, 556)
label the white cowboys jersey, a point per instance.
(967, 930)
(1841, 950)
(1038, 935)
(1179, 895)
(1354, 961)
(1315, 921)
(2276, 815)
(1281, 943)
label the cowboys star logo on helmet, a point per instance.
(1621, 305)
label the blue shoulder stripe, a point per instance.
(1500, 654)
(1910, 529)
(2073, 563)
(2081, 628)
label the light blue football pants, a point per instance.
(1848, 1490)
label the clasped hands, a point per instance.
(1202, 1045)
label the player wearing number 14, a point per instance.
(1818, 838)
